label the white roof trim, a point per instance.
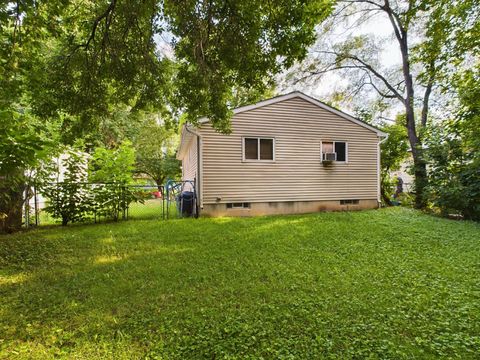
(185, 139)
(298, 94)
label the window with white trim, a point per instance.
(242, 205)
(258, 148)
(334, 151)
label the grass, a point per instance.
(391, 283)
(152, 209)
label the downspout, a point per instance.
(379, 195)
(199, 176)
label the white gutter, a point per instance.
(199, 177)
(379, 194)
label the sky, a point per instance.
(378, 26)
(390, 57)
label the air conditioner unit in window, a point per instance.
(327, 157)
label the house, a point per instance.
(288, 154)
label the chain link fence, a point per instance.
(61, 203)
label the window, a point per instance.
(334, 151)
(258, 149)
(251, 149)
(238, 205)
(349, 202)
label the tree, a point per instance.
(66, 189)
(23, 144)
(80, 61)
(394, 149)
(426, 33)
(112, 170)
(102, 53)
(393, 153)
(454, 153)
(155, 149)
(225, 45)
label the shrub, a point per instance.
(394, 151)
(454, 152)
(69, 196)
(454, 173)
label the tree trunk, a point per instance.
(159, 182)
(420, 169)
(11, 205)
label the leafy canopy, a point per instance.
(454, 156)
(226, 44)
(155, 149)
(86, 57)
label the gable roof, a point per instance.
(187, 133)
(299, 94)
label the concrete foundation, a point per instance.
(285, 207)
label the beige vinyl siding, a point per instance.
(189, 161)
(297, 174)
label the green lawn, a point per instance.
(390, 283)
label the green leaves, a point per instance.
(155, 149)
(87, 57)
(64, 185)
(115, 168)
(113, 165)
(451, 38)
(453, 153)
(86, 185)
(23, 141)
(223, 45)
(393, 153)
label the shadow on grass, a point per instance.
(271, 286)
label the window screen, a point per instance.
(258, 149)
(340, 149)
(266, 149)
(251, 148)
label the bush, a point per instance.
(69, 197)
(454, 173)
(454, 153)
(394, 151)
(88, 186)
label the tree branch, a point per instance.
(395, 21)
(364, 66)
(426, 98)
(105, 15)
(381, 93)
(377, 75)
(324, 71)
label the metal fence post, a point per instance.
(125, 205)
(35, 201)
(123, 202)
